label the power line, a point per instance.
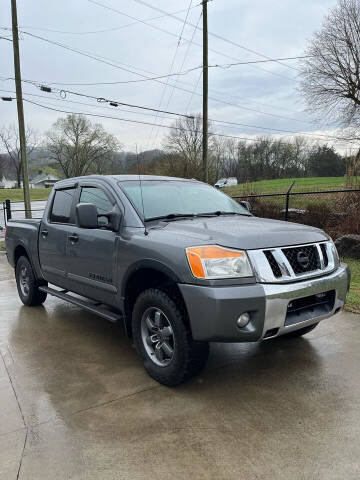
(171, 69)
(193, 92)
(176, 74)
(182, 66)
(142, 2)
(85, 104)
(101, 31)
(171, 127)
(103, 60)
(115, 103)
(227, 123)
(174, 35)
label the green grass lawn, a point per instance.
(17, 195)
(281, 185)
(353, 302)
(2, 245)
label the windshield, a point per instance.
(162, 198)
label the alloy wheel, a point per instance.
(157, 336)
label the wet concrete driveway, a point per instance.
(75, 403)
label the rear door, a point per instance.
(54, 229)
(91, 252)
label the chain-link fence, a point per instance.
(336, 211)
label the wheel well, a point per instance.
(143, 279)
(20, 252)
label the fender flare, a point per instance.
(147, 264)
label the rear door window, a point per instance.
(61, 207)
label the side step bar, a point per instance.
(91, 307)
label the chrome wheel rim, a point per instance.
(157, 336)
(24, 281)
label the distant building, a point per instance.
(7, 183)
(43, 181)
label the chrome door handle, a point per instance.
(44, 233)
(73, 238)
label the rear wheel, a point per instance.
(27, 285)
(300, 332)
(163, 339)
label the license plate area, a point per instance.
(306, 308)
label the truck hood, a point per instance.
(247, 233)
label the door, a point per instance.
(92, 253)
(54, 229)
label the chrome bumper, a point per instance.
(278, 298)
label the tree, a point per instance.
(81, 147)
(9, 137)
(183, 146)
(332, 71)
(325, 162)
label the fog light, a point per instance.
(243, 320)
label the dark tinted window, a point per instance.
(61, 208)
(98, 197)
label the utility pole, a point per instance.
(20, 109)
(205, 91)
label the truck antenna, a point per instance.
(141, 190)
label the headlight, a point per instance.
(218, 262)
(335, 253)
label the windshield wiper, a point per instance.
(176, 216)
(218, 213)
(171, 216)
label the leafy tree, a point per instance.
(325, 162)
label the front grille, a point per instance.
(324, 252)
(273, 264)
(303, 259)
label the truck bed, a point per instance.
(23, 233)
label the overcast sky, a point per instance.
(276, 28)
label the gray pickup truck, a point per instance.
(179, 262)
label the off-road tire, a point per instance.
(301, 332)
(189, 356)
(34, 297)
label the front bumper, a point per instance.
(213, 311)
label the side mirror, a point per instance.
(114, 218)
(86, 215)
(246, 205)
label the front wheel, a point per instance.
(27, 285)
(163, 339)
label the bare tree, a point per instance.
(331, 74)
(9, 137)
(184, 147)
(79, 146)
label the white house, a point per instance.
(6, 183)
(43, 181)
